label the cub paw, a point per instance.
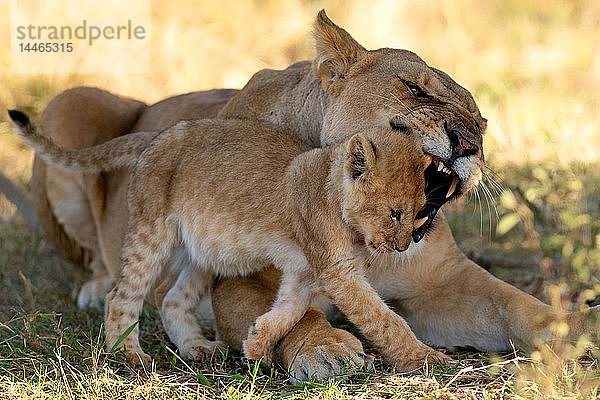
(92, 293)
(323, 362)
(257, 346)
(139, 359)
(440, 358)
(200, 347)
(424, 355)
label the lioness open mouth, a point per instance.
(441, 184)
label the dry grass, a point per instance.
(534, 69)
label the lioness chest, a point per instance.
(225, 185)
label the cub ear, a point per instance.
(361, 156)
(336, 51)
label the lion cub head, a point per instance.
(383, 188)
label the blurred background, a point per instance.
(532, 66)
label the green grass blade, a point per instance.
(123, 336)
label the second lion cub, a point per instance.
(240, 195)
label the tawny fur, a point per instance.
(447, 299)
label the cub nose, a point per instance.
(461, 146)
(400, 245)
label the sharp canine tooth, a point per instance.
(440, 165)
(428, 160)
(452, 187)
(419, 222)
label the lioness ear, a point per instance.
(361, 156)
(336, 51)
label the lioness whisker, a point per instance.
(487, 197)
(478, 197)
(495, 179)
(494, 183)
(498, 187)
(410, 111)
(387, 105)
(491, 197)
(491, 170)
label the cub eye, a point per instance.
(415, 90)
(396, 215)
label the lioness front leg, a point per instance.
(449, 301)
(389, 333)
(470, 307)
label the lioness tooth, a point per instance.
(440, 165)
(419, 222)
(428, 160)
(447, 171)
(452, 187)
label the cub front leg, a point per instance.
(293, 299)
(389, 333)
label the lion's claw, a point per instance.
(328, 361)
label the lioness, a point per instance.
(241, 195)
(446, 299)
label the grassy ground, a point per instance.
(49, 348)
(534, 69)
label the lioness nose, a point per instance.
(461, 146)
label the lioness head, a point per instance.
(384, 188)
(396, 89)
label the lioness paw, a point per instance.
(329, 361)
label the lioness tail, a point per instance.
(119, 152)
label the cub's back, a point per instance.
(224, 163)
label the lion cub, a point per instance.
(240, 195)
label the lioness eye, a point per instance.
(396, 215)
(415, 90)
